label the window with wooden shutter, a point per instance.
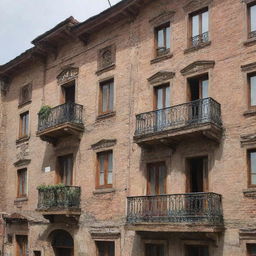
(22, 183)
(24, 125)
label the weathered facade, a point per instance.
(145, 117)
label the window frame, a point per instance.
(109, 82)
(249, 167)
(164, 27)
(156, 88)
(247, 249)
(21, 126)
(22, 175)
(59, 165)
(249, 25)
(249, 75)
(106, 171)
(105, 246)
(191, 15)
(156, 242)
(23, 101)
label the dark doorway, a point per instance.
(69, 93)
(62, 243)
(65, 170)
(197, 176)
(198, 88)
(22, 245)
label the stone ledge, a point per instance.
(20, 199)
(250, 192)
(107, 115)
(161, 58)
(250, 112)
(105, 69)
(24, 139)
(103, 191)
(196, 48)
(250, 41)
(24, 103)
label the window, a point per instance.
(105, 169)
(252, 20)
(198, 87)
(22, 183)
(154, 250)
(24, 120)
(199, 28)
(197, 250)
(106, 97)
(163, 39)
(22, 245)
(252, 167)
(105, 248)
(25, 94)
(251, 249)
(252, 90)
(162, 96)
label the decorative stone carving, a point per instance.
(67, 75)
(161, 76)
(162, 18)
(106, 57)
(247, 234)
(248, 139)
(22, 162)
(249, 67)
(23, 151)
(197, 66)
(108, 232)
(103, 144)
(194, 5)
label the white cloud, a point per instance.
(23, 20)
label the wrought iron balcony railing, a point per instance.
(201, 208)
(58, 198)
(200, 39)
(65, 113)
(184, 115)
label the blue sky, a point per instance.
(23, 20)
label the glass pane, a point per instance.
(104, 98)
(253, 90)
(195, 25)
(152, 181)
(159, 103)
(167, 97)
(110, 167)
(111, 96)
(168, 37)
(252, 248)
(111, 249)
(68, 171)
(205, 89)
(24, 182)
(253, 179)
(101, 163)
(205, 22)
(253, 18)
(160, 38)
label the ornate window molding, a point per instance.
(194, 5)
(22, 162)
(249, 67)
(67, 75)
(248, 140)
(102, 144)
(161, 76)
(106, 59)
(166, 16)
(197, 67)
(105, 233)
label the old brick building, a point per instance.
(133, 133)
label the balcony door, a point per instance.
(68, 92)
(162, 101)
(197, 175)
(62, 243)
(65, 170)
(156, 186)
(198, 90)
(22, 245)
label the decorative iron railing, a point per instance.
(68, 112)
(200, 39)
(205, 208)
(252, 34)
(188, 114)
(59, 198)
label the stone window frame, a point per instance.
(108, 66)
(191, 8)
(246, 17)
(25, 100)
(249, 167)
(247, 71)
(155, 241)
(164, 18)
(196, 243)
(24, 186)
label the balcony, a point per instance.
(170, 125)
(63, 120)
(59, 200)
(176, 212)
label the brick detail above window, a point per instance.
(67, 75)
(161, 76)
(197, 66)
(194, 5)
(163, 17)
